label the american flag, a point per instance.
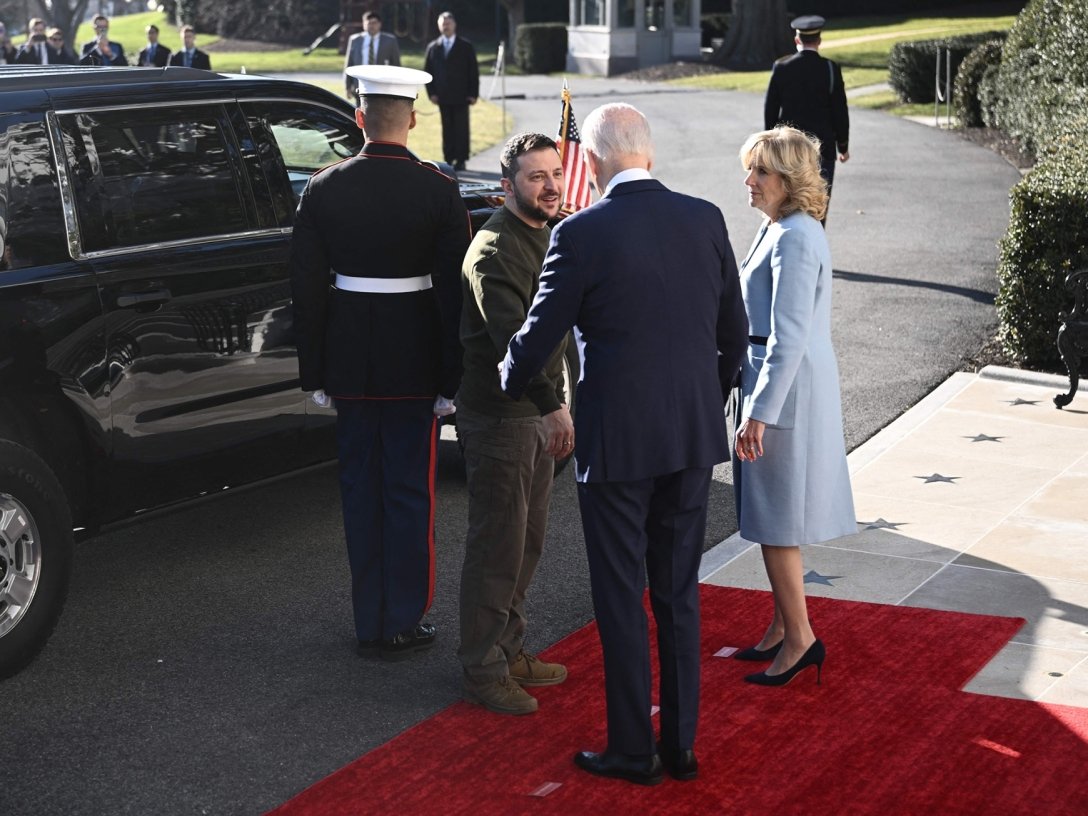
(576, 192)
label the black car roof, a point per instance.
(54, 77)
(39, 87)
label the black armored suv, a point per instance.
(146, 352)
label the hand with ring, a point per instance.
(558, 432)
(749, 441)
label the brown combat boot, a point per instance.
(500, 696)
(529, 670)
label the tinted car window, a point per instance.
(154, 175)
(308, 137)
(31, 219)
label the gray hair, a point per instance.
(617, 129)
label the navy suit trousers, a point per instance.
(387, 459)
(650, 528)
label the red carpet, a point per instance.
(888, 732)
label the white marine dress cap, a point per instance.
(388, 80)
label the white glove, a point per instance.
(443, 407)
(321, 399)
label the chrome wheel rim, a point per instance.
(20, 561)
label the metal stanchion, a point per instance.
(945, 97)
(499, 76)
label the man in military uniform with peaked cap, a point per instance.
(375, 275)
(806, 91)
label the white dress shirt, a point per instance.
(630, 174)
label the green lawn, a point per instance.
(426, 139)
(863, 62)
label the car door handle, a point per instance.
(154, 298)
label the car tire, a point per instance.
(35, 555)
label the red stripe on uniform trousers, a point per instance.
(430, 518)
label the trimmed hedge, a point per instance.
(912, 65)
(1043, 76)
(984, 59)
(1046, 240)
(540, 48)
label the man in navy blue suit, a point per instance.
(648, 279)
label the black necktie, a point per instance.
(373, 50)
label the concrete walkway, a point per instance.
(975, 500)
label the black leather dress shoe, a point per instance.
(680, 764)
(417, 639)
(617, 766)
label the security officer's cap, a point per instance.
(388, 80)
(809, 24)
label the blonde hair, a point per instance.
(795, 156)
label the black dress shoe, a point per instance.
(680, 764)
(402, 646)
(369, 648)
(617, 766)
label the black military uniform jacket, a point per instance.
(806, 91)
(381, 214)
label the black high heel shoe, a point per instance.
(814, 656)
(754, 654)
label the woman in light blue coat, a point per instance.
(790, 474)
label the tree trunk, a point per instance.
(515, 16)
(65, 15)
(759, 33)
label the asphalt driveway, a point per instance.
(204, 663)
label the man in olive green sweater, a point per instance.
(510, 445)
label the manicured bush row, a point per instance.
(1043, 75)
(912, 65)
(540, 48)
(984, 59)
(1046, 240)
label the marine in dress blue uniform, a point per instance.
(806, 92)
(375, 274)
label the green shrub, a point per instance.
(1043, 74)
(1046, 240)
(912, 65)
(965, 95)
(540, 48)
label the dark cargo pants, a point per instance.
(509, 483)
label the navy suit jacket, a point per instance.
(648, 279)
(200, 59)
(160, 60)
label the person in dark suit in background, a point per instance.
(451, 60)
(806, 92)
(369, 47)
(8, 52)
(34, 51)
(189, 55)
(102, 29)
(58, 52)
(648, 279)
(156, 54)
(374, 336)
(104, 55)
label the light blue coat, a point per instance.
(798, 492)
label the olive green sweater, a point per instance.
(499, 279)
